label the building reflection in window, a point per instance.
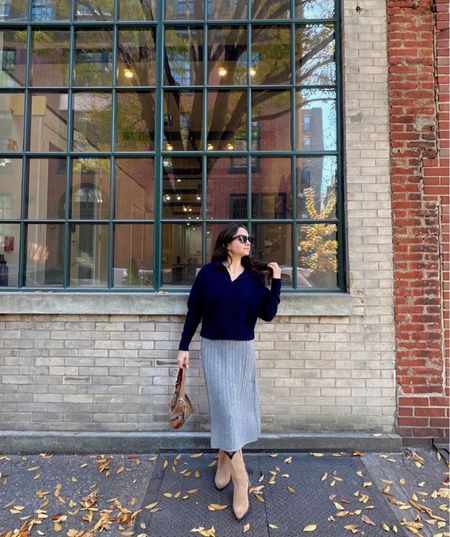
(92, 120)
(50, 57)
(316, 187)
(134, 187)
(46, 188)
(11, 121)
(48, 122)
(13, 58)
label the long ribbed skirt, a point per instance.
(230, 376)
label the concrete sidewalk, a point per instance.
(171, 494)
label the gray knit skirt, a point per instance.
(230, 377)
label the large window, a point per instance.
(131, 131)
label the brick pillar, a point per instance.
(418, 49)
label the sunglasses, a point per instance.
(243, 238)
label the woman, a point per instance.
(228, 296)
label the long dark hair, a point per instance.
(220, 252)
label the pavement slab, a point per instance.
(168, 494)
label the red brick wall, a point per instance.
(418, 49)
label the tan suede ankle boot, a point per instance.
(223, 472)
(241, 484)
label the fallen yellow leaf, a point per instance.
(151, 505)
(246, 527)
(216, 507)
(310, 527)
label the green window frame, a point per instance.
(30, 21)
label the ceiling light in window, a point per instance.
(230, 146)
(222, 71)
(169, 147)
(252, 71)
(210, 146)
(128, 73)
(178, 197)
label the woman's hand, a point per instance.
(183, 359)
(275, 269)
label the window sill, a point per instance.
(311, 304)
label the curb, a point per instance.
(29, 442)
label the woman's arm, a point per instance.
(194, 313)
(272, 296)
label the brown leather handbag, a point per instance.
(180, 405)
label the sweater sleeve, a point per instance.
(271, 300)
(194, 313)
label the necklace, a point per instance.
(235, 274)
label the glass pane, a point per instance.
(317, 255)
(316, 187)
(50, 58)
(183, 64)
(9, 256)
(227, 55)
(227, 9)
(271, 55)
(134, 188)
(315, 50)
(184, 9)
(183, 120)
(88, 255)
(271, 9)
(48, 122)
(182, 253)
(16, 10)
(271, 117)
(212, 232)
(11, 121)
(273, 242)
(226, 188)
(137, 10)
(271, 188)
(133, 255)
(46, 195)
(10, 187)
(95, 9)
(182, 188)
(320, 106)
(12, 58)
(314, 9)
(92, 122)
(136, 58)
(93, 58)
(45, 255)
(50, 10)
(227, 120)
(135, 121)
(90, 188)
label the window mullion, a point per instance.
(159, 119)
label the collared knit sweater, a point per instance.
(228, 309)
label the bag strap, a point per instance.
(181, 379)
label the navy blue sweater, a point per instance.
(228, 309)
